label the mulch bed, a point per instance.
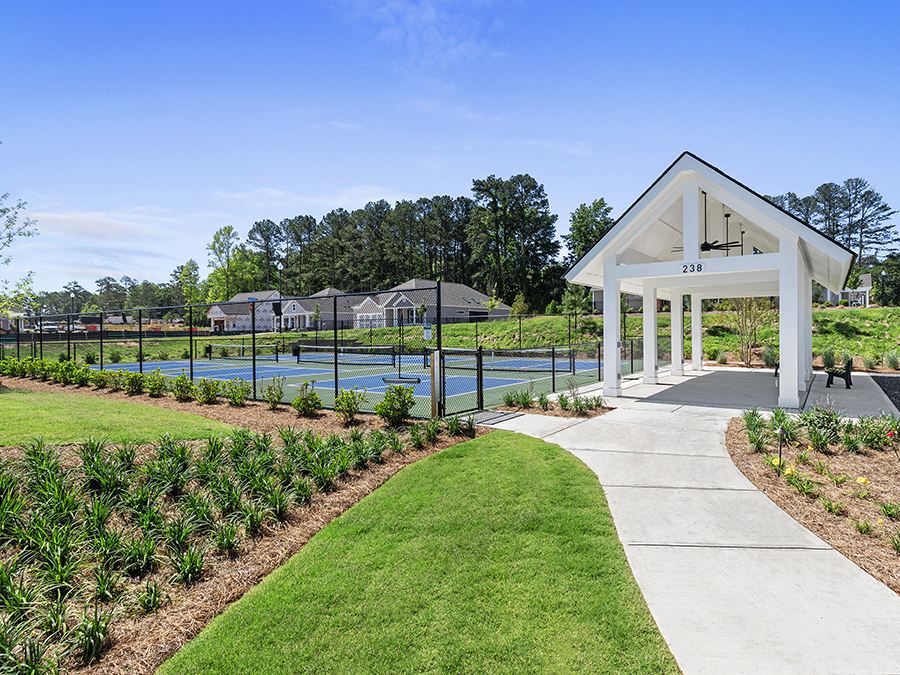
(553, 410)
(871, 552)
(140, 644)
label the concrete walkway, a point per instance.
(734, 583)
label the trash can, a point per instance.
(295, 350)
(207, 351)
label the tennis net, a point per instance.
(376, 355)
(242, 352)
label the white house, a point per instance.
(235, 314)
(415, 302)
(698, 232)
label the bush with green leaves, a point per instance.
(90, 356)
(237, 391)
(563, 401)
(134, 383)
(394, 408)
(208, 390)
(770, 356)
(348, 404)
(156, 383)
(83, 376)
(307, 402)
(182, 388)
(185, 353)
(274, 391)
(115, 355)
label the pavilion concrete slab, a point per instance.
(734, 584)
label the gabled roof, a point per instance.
(651, 229)
(242, 302)
(329, 290)
(452, 293)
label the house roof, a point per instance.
(241, 306)
(452, 294)
(651, 229)
(328, 290)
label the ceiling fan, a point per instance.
(706, 244)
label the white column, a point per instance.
(677, 333)
(696, 332)
(612, 364)
(651, 360)
(691, 221)
(807, 328)
(789, 322)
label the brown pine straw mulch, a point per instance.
(871, 552)
(140, 644)
(554, 410)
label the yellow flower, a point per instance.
(776, 461)
(862, 480)
(880, 521)
(788, 471)
(810, 448)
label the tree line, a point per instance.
(500, 240)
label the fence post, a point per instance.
(191, 340)
(439, 316)
(476, 335)
(18, 346)
(41, 335)
(553, 369)
(101, 340)
(479, 378)
(520, 331)
(335, 327)
(599, 362)
(569, 321)
(253, 343)
(140, 341)
(69, 336)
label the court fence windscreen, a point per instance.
(328, 343)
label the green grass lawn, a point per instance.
(59, 418)
(497, 555)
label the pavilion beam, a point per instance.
(612, 351)
(690, 229)
(651, 338)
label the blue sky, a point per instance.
(136, 130)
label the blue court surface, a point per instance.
(460, 378)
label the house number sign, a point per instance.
(693, 267)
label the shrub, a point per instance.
(134, 383)
(90, 357)
(524, 398)
(892, 360)
(563, 401)
(208, 391)
(115, 356)
(100, 379)
(544, 401)
(722, 356)
(237, 391)
(395, 406)
(274, 391)
(843, 303)
(307, 401)
(417, 436)
(83, 376)
(828, 358)
(186, 353)
(454, 428)
(182, 388)
(769, 356)
(348, 403)
(161, 355)
(872, 361)
(156, 383)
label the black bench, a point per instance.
(841, 374)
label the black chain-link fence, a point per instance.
(362, 342)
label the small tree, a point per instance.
(519, 305)
(492, 304)
(317, 316)
(422, 310)
(745, 316)
(576, 300)
(552, 308)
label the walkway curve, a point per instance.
(734, 583)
